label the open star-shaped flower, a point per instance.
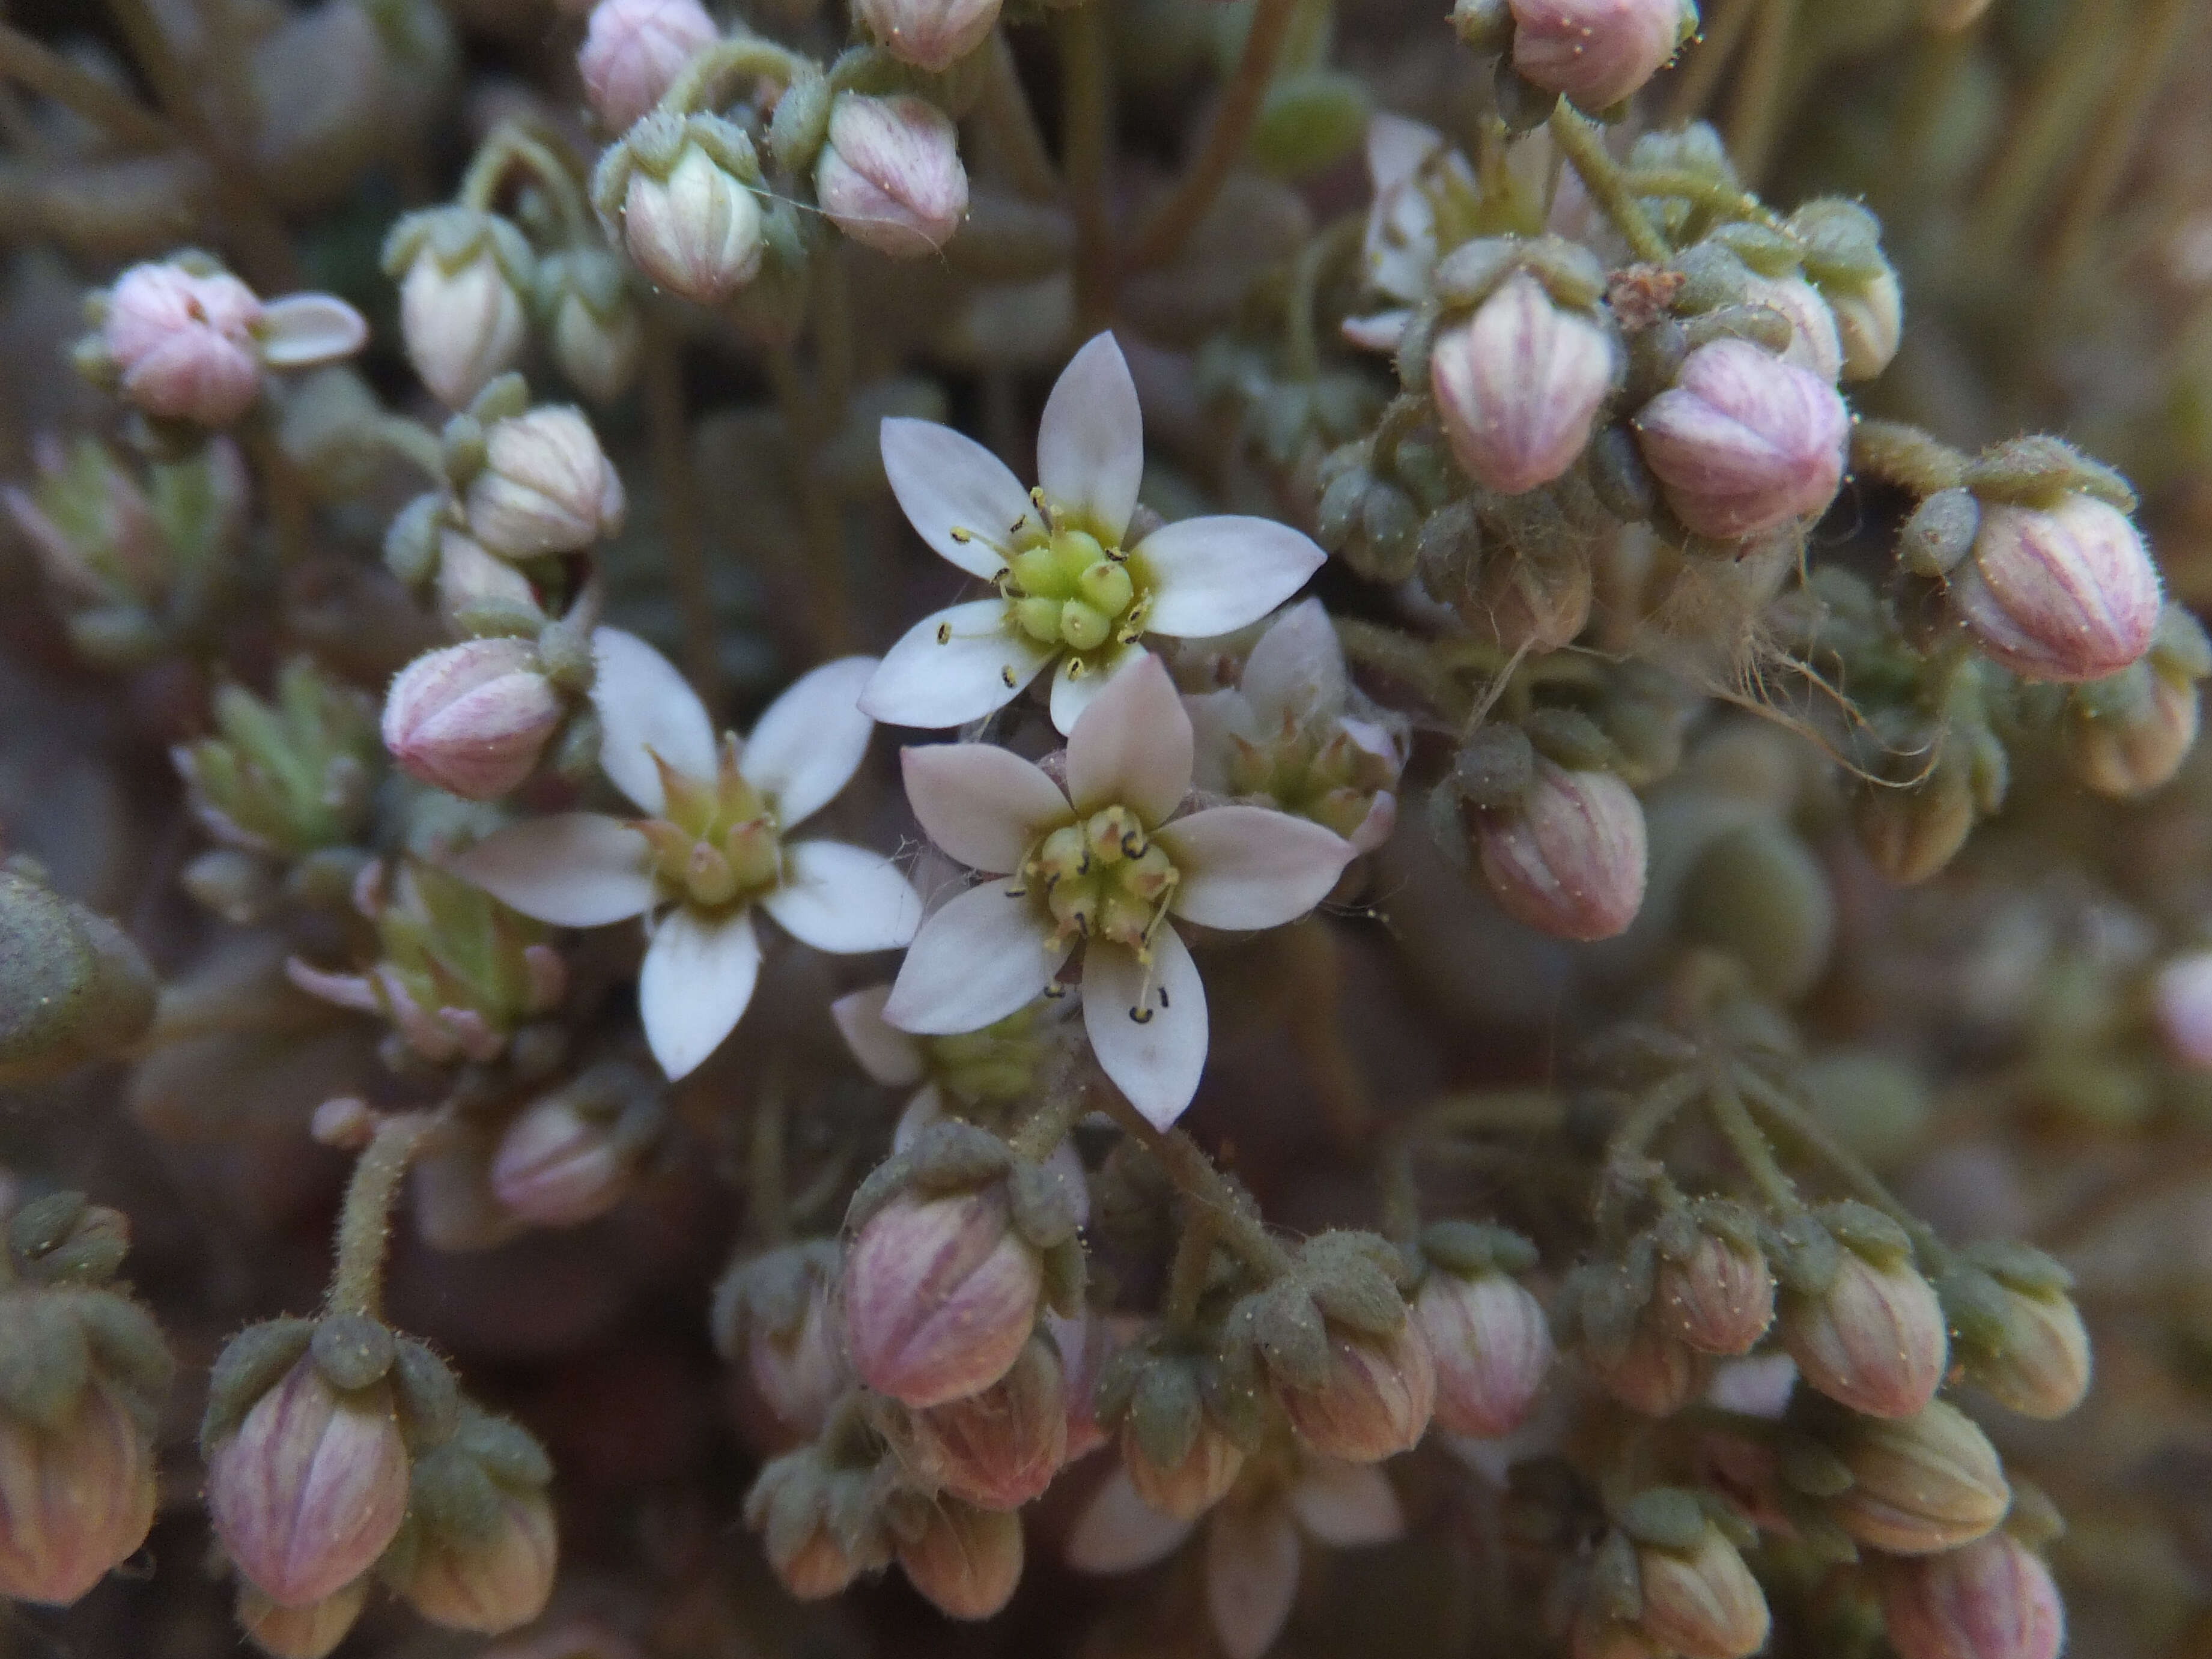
(1071, 593)
(711, 844)
(1103, 865)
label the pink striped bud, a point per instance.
(1000, 1447)
(1597, 53)
(472, 719)
(1568, 857)
(1518, 385)
(547, 487)
(77, 1498)
(1874, 1341)
(890, 175)
(1186, 1490)
(1719, 1298)
(1493, 1347)
(931, 35)
(1701, 1603)
(492, 1583)
(1655, 1372)
(1744, 442)
(633, 51)
(2065, 593)
(1373, 1401)
(940, 1295)
(965, 1561)
(1992, 1600)
(184, 342)
(1920, 1485)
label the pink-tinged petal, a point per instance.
(886, 1054)
(573, 870)
(646, 708)
(1248, 866)
(1396, 147)
(976, 960)
(1091, 443)
(1346, 1504)
(844, 899)
(1212, 575)
(301, 329)
(698, 976)
(1080, 684)
(926, 1108)
(1251, 1576)
(1297, 667)
(1378, 331)
(946, 481)
(1376, 828)
(955, 666)
(810, 740)
(1147, 1027)
(1132, 747)
(1119, 1532)
(984, 806)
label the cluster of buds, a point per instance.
(1670, 1578)
(1560, 836)
(86, 1376)
(77, 988)
(775, 1318)
(1485, 1330)
(139, 569)
(184, 341)
(1597, 54)
(458, 974)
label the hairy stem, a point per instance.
(510, 146)
(1301, 343)
(1752, 1149)
(1192, 1265)
(1912, 459)
(732, 57)
(365, 1222)
(1579, 140)
(1204, 1187)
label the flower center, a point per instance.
(1068, 589)
(715, 841)
(1104, 878)
(1333, 782)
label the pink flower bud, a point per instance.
(1874, 1341)
(75, 1499)
(940, 1294)
(1992, 1600)
(1492, 1348)
(1656, 1374)
(472, 719)
(308, 1633)
(1744, 442)
(890, 174)
(632, 52)
(311, 1488)
(1375, 1401)
(1596, 52)
(184, 344)
(492, 1584)
(1000, 1447)
(965, 1561)
(1919, 1484)
(547, 487)
(1568, 859)
(696, 229)
(2039, 1366)
(1702, 1603)
(464, 322)
(1518, 385)
(931, 35)
(1188, 1489)
(1719, 1299)
(559, 1165)
(2184, 1009)
(2065, 593)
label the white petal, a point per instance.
(1247, 866)
(301, 329)
(946, 481)
(1215, 717)
(1119, 1532)
(886, 1054)
(1396, 147)
(1091, 443)
(698, 976)
(1379, 330)
(1297, 667)
(927, 1107)
(1211, 575)
(1346, 1503)
(844, 899)
(810, 740)
(1251, 1576)
(1156, 1060)
(1075, 689)
(573, 870)
(953, 667)
(982, 804)
(1374, 828)
(645, 706)
(1132, 746)
(975, 960)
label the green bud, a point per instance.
(1310, 121)
(73, 988)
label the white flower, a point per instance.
(1099, 865)
(1411, 171)
(1252, 1540)
(711, 844)
(1293, 732)
(1069, 591)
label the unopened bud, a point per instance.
(1655, 1372)
(1910, 832)
(572, 1155)
(774, 1314)
(1719, 1298)
(940, 1294)
(73, 987)
(1744, 442)
(690, 217)
(591, 325)
(1374, 1399)
(2127, 735)
(1873, 1340)
(1518, 385)
(931, 35)
(1597, 53)
(1869, 325)
(2064, 592)
(1992, 1600)
(2028, 1349)
(632, 52)
(308, 1633)
(890, 175)
(1919, 1484)
(462, 278)
(1568, 859)
(1815, 345)
(547, 487)
(965, 1561)
(1000, 1448)
(1701, 1603)
(79, 1492)
(311, 1486)
(183, 343)
(472, 719)
(1188, 1488)
(492, 1581)
(1492, 1348)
